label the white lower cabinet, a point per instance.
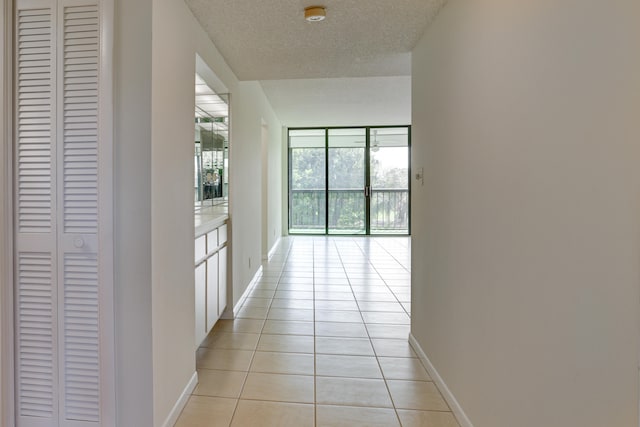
(222, 278)
(201, 302)
(210, 281)
(212, 291)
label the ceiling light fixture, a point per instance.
(314, 13)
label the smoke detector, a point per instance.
(314, 13)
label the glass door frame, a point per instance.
(367, 189)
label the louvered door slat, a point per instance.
(34, 131)
(36, 301)
(80, 100)
(35, 336)
(80, 138)
(81, 338)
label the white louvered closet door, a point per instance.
(64, 320)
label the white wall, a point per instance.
(526, 233)
(276, 195)
(284, 182)
(132, 194)
(348, 101)
(173, 103)
(249, 108)
(177, 38)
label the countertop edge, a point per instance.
(211, 224)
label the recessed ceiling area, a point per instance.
(351, 68)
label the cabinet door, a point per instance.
(212, 241)
(222, 234)
(212, 291)
(201, 303)
(222, 280)
(200, 248)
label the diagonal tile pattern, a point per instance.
(321, 341)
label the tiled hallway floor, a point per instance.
(320, 341)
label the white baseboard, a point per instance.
(182, 401)
(250, 286)
(462, 418)
(273, 248)
(267, 257)
(227, 314)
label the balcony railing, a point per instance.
(307, 210)
(389, 211)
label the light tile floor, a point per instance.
(320, 341)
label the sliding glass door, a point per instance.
(389, 180)
(307, 181)
(349, 180)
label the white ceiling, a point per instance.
(359, 42)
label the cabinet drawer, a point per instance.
(222, 234)
(212, 240)
(200, 248)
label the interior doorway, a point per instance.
(349, 180)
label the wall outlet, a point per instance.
(420, 176)
(249, 262)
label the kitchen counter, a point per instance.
(210, 217)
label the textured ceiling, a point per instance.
(270, 40)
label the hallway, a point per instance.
(320, 341)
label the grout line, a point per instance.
(334, 251)
(384, 378)
(244, 382)
(404, 310)
(315, 368)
